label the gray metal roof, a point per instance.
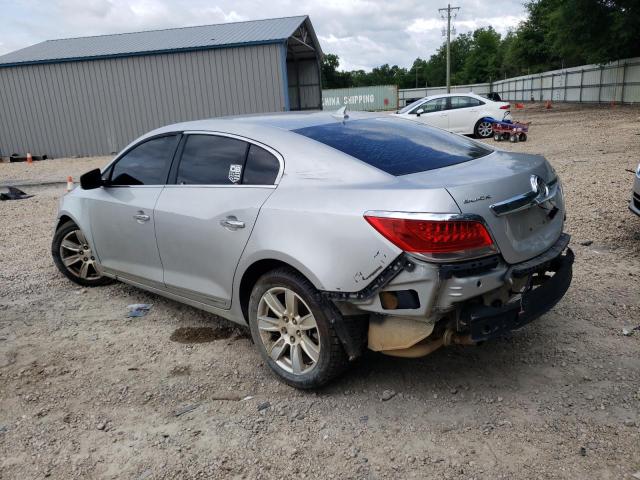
(159, 41)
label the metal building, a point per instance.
(93, 95)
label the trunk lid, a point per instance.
(505, 178)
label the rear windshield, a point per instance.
(396, 146)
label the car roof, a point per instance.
(455, 94)
(278, 120)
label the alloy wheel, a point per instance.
(485, 129)
(77, 257)
(288, 330)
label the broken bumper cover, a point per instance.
(485, 322)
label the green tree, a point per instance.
(331, 77)
(483, 61)
(555, 34)
(595, 31)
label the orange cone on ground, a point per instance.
(29, 158)
(69, 183)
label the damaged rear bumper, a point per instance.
(550, 275)
(462, 303)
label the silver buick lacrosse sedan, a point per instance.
(326, 234)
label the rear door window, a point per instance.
(261, 168)
(395, 145)
(212, 160)
(464, 102)
(147, 163)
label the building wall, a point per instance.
(99, 106)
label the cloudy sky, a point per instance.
(362, 33)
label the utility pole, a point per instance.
(448, 11)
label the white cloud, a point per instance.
(363, 33)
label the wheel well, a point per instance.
(251, 276)
(63, 219)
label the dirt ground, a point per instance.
(88, 393)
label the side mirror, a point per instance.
(91, 180)
(420, 111)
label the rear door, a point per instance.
(121, 213)
(464, 112)
(204, 219)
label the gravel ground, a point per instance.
(88, 393)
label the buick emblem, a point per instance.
(539, 186)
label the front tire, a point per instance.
(483, 128)
(292, 325)
(73, 257)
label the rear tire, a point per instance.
(292, 326)
(497, 137)
(483, 129)
(74, 258)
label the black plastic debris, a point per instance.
(14, 194)
(15, 157)
(264, 406)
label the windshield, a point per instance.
(411, 106)
(396, 146)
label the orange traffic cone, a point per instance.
(29, 158)
(69, 183)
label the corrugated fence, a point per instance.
(617, 81)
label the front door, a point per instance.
(204, 220)
(122, 219)
(434, 112)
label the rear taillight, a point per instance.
(436, 239)
(505, 107)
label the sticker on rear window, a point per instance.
(235, 172)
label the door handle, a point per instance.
(232, 223)
(141, 217)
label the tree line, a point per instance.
(555, 34)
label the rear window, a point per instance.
(396, 146)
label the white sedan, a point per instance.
(457, 112)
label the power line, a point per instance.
(448, 11)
